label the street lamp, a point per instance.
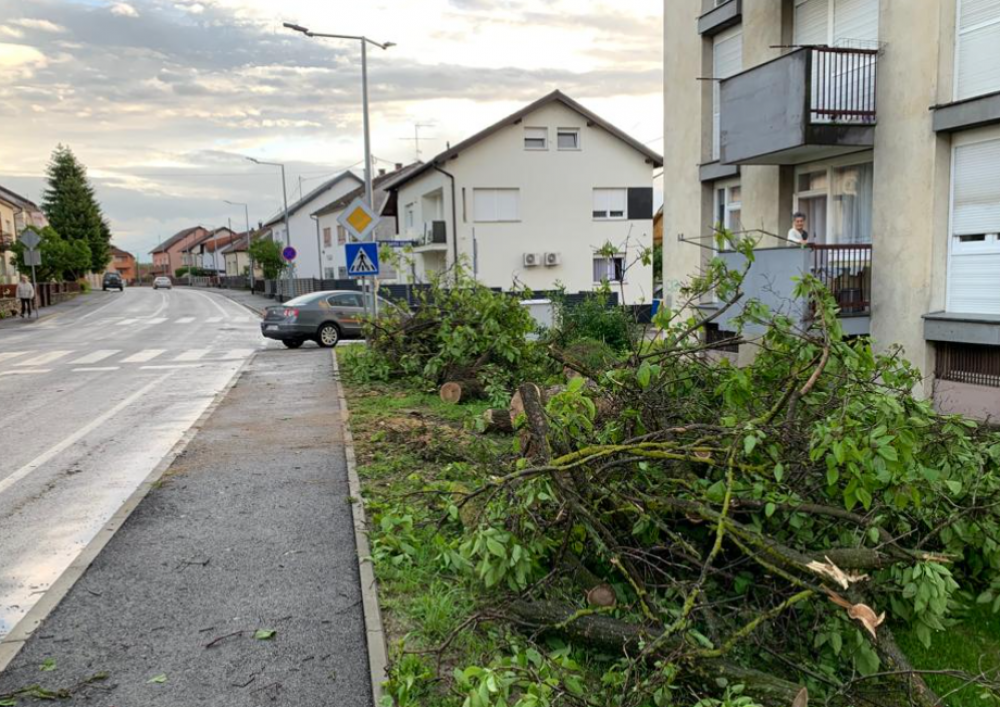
(365, 41)
(246, 212)
(284, 193)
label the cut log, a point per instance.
(535, 437)
(498, 421)
(459, 391)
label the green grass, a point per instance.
(972, 646)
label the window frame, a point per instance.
(617, 256)
(516, 191)
(956, 64)
(608, 211)
(327, 237)
(358, 304)
(545, 138)
(341, 235)
(828, 166)
(575, 132)
(727, 206)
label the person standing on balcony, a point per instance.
(25, 293)
(798, 234)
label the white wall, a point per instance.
(333, 256)
(303, 228)
(556, 204)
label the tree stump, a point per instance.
(459, 391)
(498, 421)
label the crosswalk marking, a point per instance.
(169, 366)
(191, 355)
(95, 357)
(185, 320)
(214, 320)
(156, 320)
(236, 353)
(143, 356)
(6, 356)
(95, 369)
(24, 372)
(126, 322)
(44, 358)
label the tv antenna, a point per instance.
(416, 137)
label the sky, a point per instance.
(163, 100)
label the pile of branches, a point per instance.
(766, 525)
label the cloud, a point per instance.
(11, 32)
(40, 25)
(123, 9)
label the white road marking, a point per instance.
(185, 320)
(126, 322)
(155, 320)
(95, 357)
(78, 435)
(44, 358)
(12, 354)
(192, 355)
(24, 371)
(171, 366)
(107, 321)
(214, 320)
(143, 356)
(213, 301)
(95, 369)
(237, 354)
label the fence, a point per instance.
(843, 84)
(846, 270)
(968, 363)
(46, 295)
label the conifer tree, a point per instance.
(72, 209)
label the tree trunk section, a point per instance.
(498, 421)
(535, 438)
(460, 391)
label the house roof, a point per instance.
(514, 118)
(378, 183)
(325, 186)
(17, 199)
(175, 239)
(115, 250)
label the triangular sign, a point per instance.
(361, 263)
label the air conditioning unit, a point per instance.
(532, 259)
(552, 259)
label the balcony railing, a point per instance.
(846, 270)
(843, 85)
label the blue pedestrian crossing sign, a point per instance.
(362, 259)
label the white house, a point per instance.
(533, 199)
(305, 236)
(202, 252)
(334, 236)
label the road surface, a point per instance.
(90, 402)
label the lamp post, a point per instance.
(365, 41)
(284, 194)
(246, 213)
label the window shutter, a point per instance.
(616, 203)
(640, 203)
(507, 204)
(485, 204)
(727, 60)
(601, 202)
(811, 18)
(978, 48)
(976, 175)
(855, 23)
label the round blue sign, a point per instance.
(289, 253)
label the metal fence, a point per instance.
(846, 270)
(968, 363)
(843, 84)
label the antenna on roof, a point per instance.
(416, 137)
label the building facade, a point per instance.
(879, 121)
(550, 196)
(16, 214)
(123, 263)
(173, 252)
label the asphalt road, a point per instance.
(92, 400)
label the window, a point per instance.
(342, 272)
(409, 221)
(728, 206)
(568, 138)
(327, 238)
(974, 251)
(837, 23)
(611, 269)
(329, 273)
(727, 60)
(977, 53)
(341, 235)
(345, 299)
(837, 202)
(492, 205)
(536, 138)
(609, 203)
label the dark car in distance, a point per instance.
(323, 317)
(112, 281)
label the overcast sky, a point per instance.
(163, 99)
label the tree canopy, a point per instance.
(62, 259)
(72, 208)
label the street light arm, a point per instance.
(380, 45)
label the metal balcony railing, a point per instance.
(846, 270)
(844, 83)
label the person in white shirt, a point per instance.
(798, 234)
(25, 293)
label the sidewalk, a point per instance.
(96, 297)
(257, 303)
(250, 529)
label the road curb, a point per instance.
(258, 312)
(378, 655)
(12, 643)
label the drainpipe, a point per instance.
(319, 250)
(454, 212)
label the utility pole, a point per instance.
(284, 194)
(246, 213)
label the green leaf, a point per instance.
(836, 642)
(864, 496)
(749, 442)
(48, 665)
(643, 375)
(985, 598)
(575, 384)
(264, 634)
(159, 679)
(779, 472)
(496, 548)
(954, 486)
(769, 510)
(8, 703)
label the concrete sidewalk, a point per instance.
(81, 301)
(250, 529)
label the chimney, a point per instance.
(399, 166)
(381, 172)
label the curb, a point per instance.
(258, 312)
(12, 643)
(378, 655)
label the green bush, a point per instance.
(595, 318)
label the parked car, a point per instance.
(323, 317)
(162, 282)
(112, 280)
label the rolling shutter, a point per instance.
(855, 23)
(811, 17)
(727, 60)
(978, 48)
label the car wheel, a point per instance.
(292, 343)
(328, 335)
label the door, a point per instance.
(814, 208)
(347, 310)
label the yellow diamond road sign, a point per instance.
(359, 220)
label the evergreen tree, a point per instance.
(72, 209)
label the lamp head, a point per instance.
(297, 28)
(388, 44)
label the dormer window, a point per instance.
(536, 138)
(568, 139)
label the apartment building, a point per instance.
(532, 200)
(879, 120)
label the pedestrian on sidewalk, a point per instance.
(25, 293)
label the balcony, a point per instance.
(434, 237)
(846, 270)
(810, 104)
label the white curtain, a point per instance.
(852, 203)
